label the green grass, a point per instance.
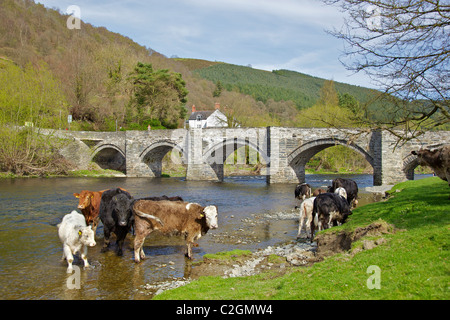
(97, 173)
(413, 262)
(227, 254)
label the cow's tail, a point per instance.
(148, 216)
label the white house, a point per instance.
(207, 119)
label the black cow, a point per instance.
(350, 186)
(331, 210)
(116, 216)
(302, 191)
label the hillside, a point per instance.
(278, 85)
(93, 65)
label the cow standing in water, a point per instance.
(302, 191)
(172, 217)
(89, 204)
(75, 236)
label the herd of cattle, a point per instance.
(120, 212)
(323, 209)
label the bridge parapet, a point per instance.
(285, 151)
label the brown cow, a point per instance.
(89, 204)
(438, 160)
(318, 191)
(178, 217)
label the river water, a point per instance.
(252, 215)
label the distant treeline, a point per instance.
(278, 85)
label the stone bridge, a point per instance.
(285, 151)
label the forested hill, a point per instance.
(302, 89)
(91, 73)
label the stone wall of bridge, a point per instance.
(285, 151)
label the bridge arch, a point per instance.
(216, 156)
(409, 164)
(298, 158)
(153, 155)
(109, 156)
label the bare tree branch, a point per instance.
(404, 46)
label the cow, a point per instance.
(116, 216)
(306, 208)
(438, 160)
(318, 191)
(89, 204)
(176, 198)
(302, 191)
(341, 191)
(75, 236)
(331, 209)
(179, 218)
(350, 186)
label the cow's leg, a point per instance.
(308, 226)
(95, 224)
(84, 256)
(107, 234)
(189, 250)
(312, 227)
(301, 223)
(121, 235)
(138, 250)
(69, 258)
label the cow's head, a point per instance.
(84, 199)
(210, 213)
(425, 157)
(122, 208)
(86, 236)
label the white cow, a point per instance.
(75, 237)
(341, 191)
(306, 209)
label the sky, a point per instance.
(266, 34)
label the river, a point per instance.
(252, 215)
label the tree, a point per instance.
(404, 47)
(218, 89)
(30, 99)
(157, 95)
(327, 112)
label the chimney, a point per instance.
(193, 108)
(217, 105)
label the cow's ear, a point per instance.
(76, 195)
(92, 196)
(201, 215)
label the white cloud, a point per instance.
(269, 34)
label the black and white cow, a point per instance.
(303, 191)
(331, 209)
(350, 186)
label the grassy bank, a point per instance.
(413, 262)
(93, 173)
